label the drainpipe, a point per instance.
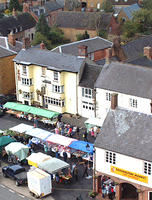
(94, 170)
(77, 93)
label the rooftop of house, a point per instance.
(93, 44)
(129, 10)
(90, 74)
(5, 44)
(22, 22)
(128, 133)
(83, 20)
(135, 48)
(51, 60)
(123, 2)
(5, 52)
(126, 78)
(142, 61)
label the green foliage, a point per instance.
(103, 34)
(56, 36)
(83, 36)
(42, 26)
(147, 4)
(14, 4)
(129, 29)
(107, 6)
(38, 38)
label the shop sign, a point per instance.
(128, 174)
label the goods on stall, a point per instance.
(39, 182)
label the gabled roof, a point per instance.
(93, 44)
(90, 74)
(4, 52)
(7, 24)
(129, 10)
(122, 2)
(51, 60)
(135, 48)
(128, 133)
(83, 20)
(142, 61)
(127, 79)
(5, 44)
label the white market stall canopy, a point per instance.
(53, 165)
(59, 139)
(35, 158)
(21, 128)
(38, 133)
(1, 131)
(95, 121)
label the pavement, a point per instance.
(60, 191)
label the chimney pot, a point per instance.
(83, 51)
(114, 101)
(148, 52)
(26, 43)
(11, 39)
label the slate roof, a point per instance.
(83, 20)
(93, 44)
(143, 61)
(127, 79)
(129, 10)
(51, 60)
(127, 132)
(135, 48)
(25, 20)
(90, 74)
(4, 52)
(122, 2)
(5, 44)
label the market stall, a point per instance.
(60, 142)
(21, 128)
(93, 122)
(18, 149)
(35, 158)
(53, 165)
(5, 140)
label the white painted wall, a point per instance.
(124, 162)
(103, 105)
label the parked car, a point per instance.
(16, 172)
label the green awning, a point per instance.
(31, 110)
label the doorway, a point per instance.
(129, 192)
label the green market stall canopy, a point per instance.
(31, 110)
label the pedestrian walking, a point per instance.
(85, 135)
(45, 148)
(85, 169)
(72, 168)
(76, 173)
(65, 155)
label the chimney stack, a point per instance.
(148, 52)
(42, 45)
(108, 55)
(14, 13)
(11, 39)
(82, 51)
(26, 43)
(114, 101)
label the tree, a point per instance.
(14, 4)
(83, 36)
(56, 36)
(130, 29)
(147, 4)
(107, 6)
(42, 26)
(38, 38)
(103, 34)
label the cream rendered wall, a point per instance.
(70, 88)
(103, 106)
(124, 162)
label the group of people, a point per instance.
(108, 188)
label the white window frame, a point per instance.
(133, 103)
(147, 168)
(24, 70)
(87, 93)
(58, 89)
(110, 157)
(43, 71)
(26, 81)
(55, 102)
(108, 96)
(27, 95)
(56, 76)
(87, 106)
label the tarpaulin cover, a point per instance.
(30, 109)
(38, 133)
(18, 149)
(5, 140)
(91, 122)
(21, 128)
(35, 158)
(53, 165)
(82, 146)
(59, 139)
